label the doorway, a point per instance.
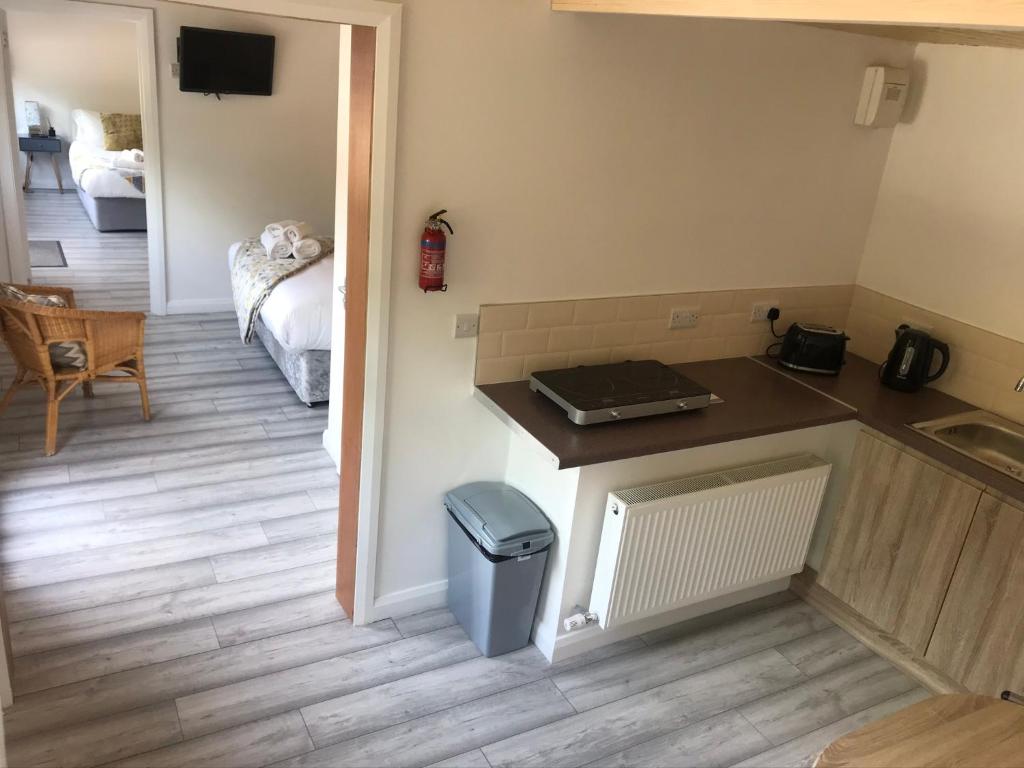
(368, 239)
(84, 205)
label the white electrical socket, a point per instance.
(683, 318)
(466, 326)
(759, 312)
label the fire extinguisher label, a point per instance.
(432, 262)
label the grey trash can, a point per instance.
(498, 544)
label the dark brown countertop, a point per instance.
(758, 401)
(890, 412)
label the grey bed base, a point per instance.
(308, 372)
(114, 214)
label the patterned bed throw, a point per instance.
(254, 275)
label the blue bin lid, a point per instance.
(501, 519)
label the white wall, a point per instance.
(65, 63)
(948, 234)
(231, 166)
(596, 155)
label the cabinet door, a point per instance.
(979, 638)
(896, 539)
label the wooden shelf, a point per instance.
(992, 38)
(994, 23)
(942, 13)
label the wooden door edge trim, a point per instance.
(360, 190)
(805, 586)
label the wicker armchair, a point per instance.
(113, 344)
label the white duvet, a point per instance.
(99, 182)
(298, 311)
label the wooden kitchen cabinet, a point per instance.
(979, 637)
(896, 539)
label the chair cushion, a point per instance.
(65, 354)
(121, 131)
(69, 354)
(11, 293)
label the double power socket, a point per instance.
(689, 317)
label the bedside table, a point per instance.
(50, 145)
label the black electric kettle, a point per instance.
(910, 361)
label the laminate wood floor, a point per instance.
(169, 597)
(110, 270)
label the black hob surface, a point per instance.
(620, 390)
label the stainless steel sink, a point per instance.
(982, 436)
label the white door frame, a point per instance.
(15, 267)
(145, 44)
(6, 688)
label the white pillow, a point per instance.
(88, 127)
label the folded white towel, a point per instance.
(306, 248)
(297, 231)
(130, 160)
(276, 247)
(276, 228)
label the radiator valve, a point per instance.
(580, 619)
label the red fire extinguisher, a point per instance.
(432, 245)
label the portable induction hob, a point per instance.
(592, 394)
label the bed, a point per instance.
(110, 184)
(294, 325)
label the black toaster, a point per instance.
(813, 349)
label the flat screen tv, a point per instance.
(218, 61)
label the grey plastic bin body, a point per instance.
(498, 544)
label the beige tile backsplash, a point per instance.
(518, 339)
(984, 367)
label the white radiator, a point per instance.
(673, 544)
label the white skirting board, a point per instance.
(406, 602)
(332, 444)
(199, 306)
(588, 638)
(435, 595)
